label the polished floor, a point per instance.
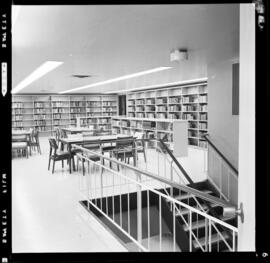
(46, 216)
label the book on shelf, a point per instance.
(203, 116)
(17, 105)
(203, 144)
(203, 107)
(149, 125)
(161, 115)
(150, 108)
(150, 115)
(140, 115)
(203, 125)
(150, 101)
(174, 108)
(161, 108)
(175, 100)
(140, 101)
(173, 116)
(203, 99)
(161, 100)
(131, 114)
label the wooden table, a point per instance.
(73, 130)
(87, 140)
(23, 132)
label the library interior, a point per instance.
(130, 126)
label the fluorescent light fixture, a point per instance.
(168, 84)
(117, 79)
(38, 73)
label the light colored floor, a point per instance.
(46, 216)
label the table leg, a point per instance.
(69, 149)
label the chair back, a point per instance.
(125, 142)
(57, 134)
(93, 146)
(63, 134)
(36, 136)
(53, 145)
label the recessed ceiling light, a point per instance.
(36, 74)
(117, 79)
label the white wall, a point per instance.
(223, 126)
(246, 185)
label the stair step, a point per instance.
(214, 239)
(201, 223)
(185, 196)
(185, 211)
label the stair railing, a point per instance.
(183, 177)
(111, 193)
(222, 174)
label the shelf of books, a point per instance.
(22, 112)
(47, 112)
(182, 102)
(152, 128)
(99, 110)
(42, 113)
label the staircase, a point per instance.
(215, 242)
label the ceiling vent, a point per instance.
(81, 76)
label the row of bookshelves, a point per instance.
(159, 108)
(198, 99)
(196, 89)
(59, 110)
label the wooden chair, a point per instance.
(20, 144)
(140, 144)
(57, 135)
(62, 134)
(95, 146)
(34, 142)
(124, 149)
(56, 155)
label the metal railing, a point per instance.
(222, 174)
(133, 196)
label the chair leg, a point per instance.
(26, 151)
(62, 163)
(53, 166)
(77, 163)
(144, 155)
(49, 163)
(73, 162)
(39, 149)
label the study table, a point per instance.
(27, 133)
(73, 130)
(88, 140)
(21, 132)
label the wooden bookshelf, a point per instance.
(182, 102)
(176, 130)
(46, 112)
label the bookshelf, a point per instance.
(176, 130)
(42, 113)
(181, 102)
(47, 112)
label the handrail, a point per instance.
(185, 188)
(220, 153)
(189, 179)
(176, 161)
(169, 198)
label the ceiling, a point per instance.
(111, 41)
